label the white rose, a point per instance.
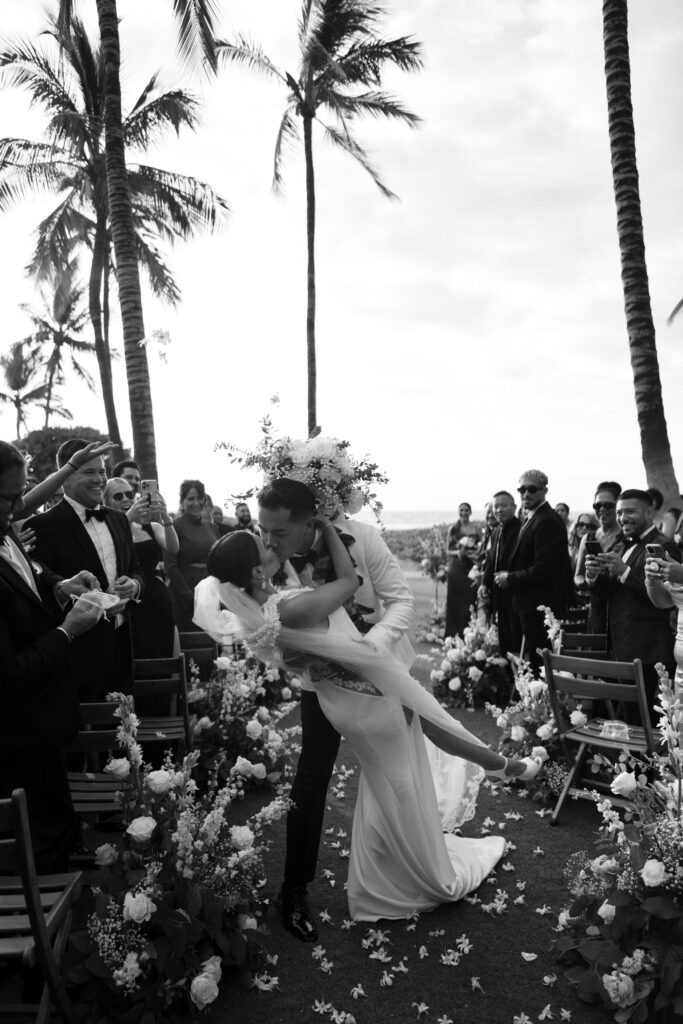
(454, 684)
(203, 990)
(140, 829)
(475, 674)
(653, 872)
(105, 855)
(212, 967)
(243, 766)
(436, 676)
(619, 987)
(254, 729)
(243, 690)
(623, 784)
(516, 733)
(607, 912)
(480, 655)
(545, 731)
(119, 767)
(604, 865)
(204, 723)
(137, 907)
(321, 447)
(299, 456)
(445, 665)
(160, 781)
(578, 719)
(245, 921)
(259, 771)
(539, 754)
(502, 722)
(241, 837)
(224, 664)
(536, 688)
(286, 693)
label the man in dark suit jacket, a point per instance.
(540, 569)
(79, 534)
(503, 542)
(635, 627)
(38, 699)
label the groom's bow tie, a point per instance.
(299, 562)
(95, 513)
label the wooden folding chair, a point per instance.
(584, 645)
(35, 915)
(609, 681)
(93, 792)
(574, 620)
(163, 678)
(201, 649)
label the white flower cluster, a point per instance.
(204, 986)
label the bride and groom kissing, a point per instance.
(420, 768)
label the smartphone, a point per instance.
(149, 489)
(655, 551)
(593, 547)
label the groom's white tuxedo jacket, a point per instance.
(384, 589)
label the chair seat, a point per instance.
(591, 732)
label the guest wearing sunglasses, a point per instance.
(609, 536)
(540, 571)
(152, 624)
(585, 526)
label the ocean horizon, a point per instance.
(418, 519)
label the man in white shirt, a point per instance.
(383, 609)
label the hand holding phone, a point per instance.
(149, 490)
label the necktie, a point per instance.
(299, 562)
(95, 513)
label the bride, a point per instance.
(412, 794)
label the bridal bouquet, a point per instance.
(324, 464)
(237, 721)
(625, 941)
(471, 670)
(176, 901)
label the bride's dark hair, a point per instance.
(233, 557)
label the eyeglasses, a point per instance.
(586, 526)
(531, 488)
(120, 495)
(604, 504)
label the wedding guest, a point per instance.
(540, 572)
(218, 519)
(664, 586)
(657, 499)
(462, 547)
(79, 533)
(635, 629)
(584, 525)
(243, 518)
(562, 510)
(130, 471)
(503, 542)
(39, 713)
(609, 536)
(152, 623)
(672, 526)
(187, 566)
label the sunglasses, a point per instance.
(120, 495)
(530, 488)
(585, 525)
(604, 504)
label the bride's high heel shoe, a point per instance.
(531, 770)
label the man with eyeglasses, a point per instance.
(540, 570)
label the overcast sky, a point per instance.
(469, 331)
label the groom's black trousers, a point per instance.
(319, 747)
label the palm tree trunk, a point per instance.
(97, 270)
(121, 220)
(310, 310)
(654, 437)
(48, 397)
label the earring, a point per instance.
(263, 584)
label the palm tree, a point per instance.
(195, 21)
(59, 322)
(70, 84)
(654, 437)
(341, 63)
(20, 367)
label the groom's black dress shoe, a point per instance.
(296, 914)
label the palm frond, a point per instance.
(148, 120)
(364, 62)
(345, 141)
(674, 313)
(23, 65)
(159, 274)
(57, 235)
(251, 55)
(82, 373)
(374, 104)
(287, 134)
(196, 33)
(179, 202)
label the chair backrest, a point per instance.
(583, 645)
(591, 678)
(191, 641)
(92, 739)
(163, 677)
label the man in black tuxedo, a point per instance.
(78, 533)
(503, 542)
(38, 699)
(635, 627)
(540, 570)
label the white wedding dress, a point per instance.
(402, 860)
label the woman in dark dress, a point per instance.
(187, 567)
(462, 545)
(153, 627)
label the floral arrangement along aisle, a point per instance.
(471, 670)
(176, 903)
(238, 715)
(433, 562)
(625, 941)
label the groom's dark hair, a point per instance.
(289, 494)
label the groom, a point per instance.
(384, 609)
